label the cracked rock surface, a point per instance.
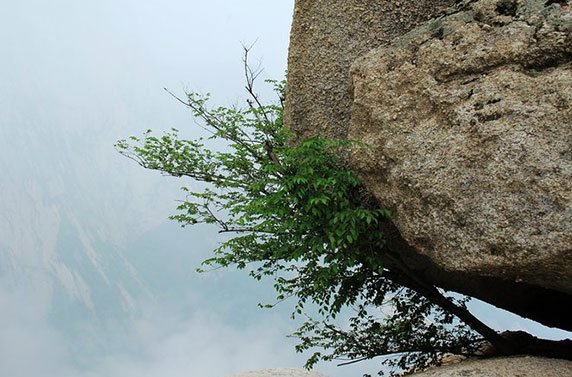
(522, 366)
(327, 36)
(469, 117)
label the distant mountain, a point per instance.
(70, 206)
(86, 231)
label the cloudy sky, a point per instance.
(77, 76)
(94, 280)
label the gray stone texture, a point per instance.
(522, 366)
(279, 372)
(327, 36)
(469, 119)
(470, 122)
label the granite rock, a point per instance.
(469, 119)
(327, 36)
(521, 366)
(279, 372)
(466, 105)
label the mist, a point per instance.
(94, 279)
(158, 343)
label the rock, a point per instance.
(279, 372)
(469, 119)
(520, 366)
(327, 36)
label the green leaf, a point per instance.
(296, 212)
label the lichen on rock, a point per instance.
(279, 372)
(327, 36)
(520, 366)
(470, 122)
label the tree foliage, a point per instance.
(297, 213)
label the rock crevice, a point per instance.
(469, 119)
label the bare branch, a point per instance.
(213, 121)
(251, 76)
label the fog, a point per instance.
(94, 280)
(160, 343)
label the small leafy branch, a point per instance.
(298, 213)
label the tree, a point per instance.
(298, 213)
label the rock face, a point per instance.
(470, 122)
(279, 372)
(469, 119)
(327, 36)
(523, 366)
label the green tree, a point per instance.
(297, 213)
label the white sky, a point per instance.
(78, 75)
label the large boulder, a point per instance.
(469, 119)
(522, 366)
